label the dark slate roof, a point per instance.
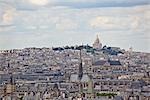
(55, 86)
(100, 62)
(118, 98)
(137, 84)
(114, 62)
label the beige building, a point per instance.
(97, 44)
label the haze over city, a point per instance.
(47, 23)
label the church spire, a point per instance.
(80, 74)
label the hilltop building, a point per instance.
(97, 44)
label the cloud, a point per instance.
(6, 28)
(104, 22)
(7, 13)
(39, 2)
(64, 24)
(78, 4)
(115, 22)
(49, 20)
(135, 19)
(7, 17)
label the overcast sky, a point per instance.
(47, 23)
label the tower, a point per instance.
(56, 90)
(97, 44)
(90, 87)
(9, 90)
(80, 74)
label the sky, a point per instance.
(52, 23)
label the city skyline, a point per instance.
(50, 23)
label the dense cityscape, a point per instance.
(80, 72)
